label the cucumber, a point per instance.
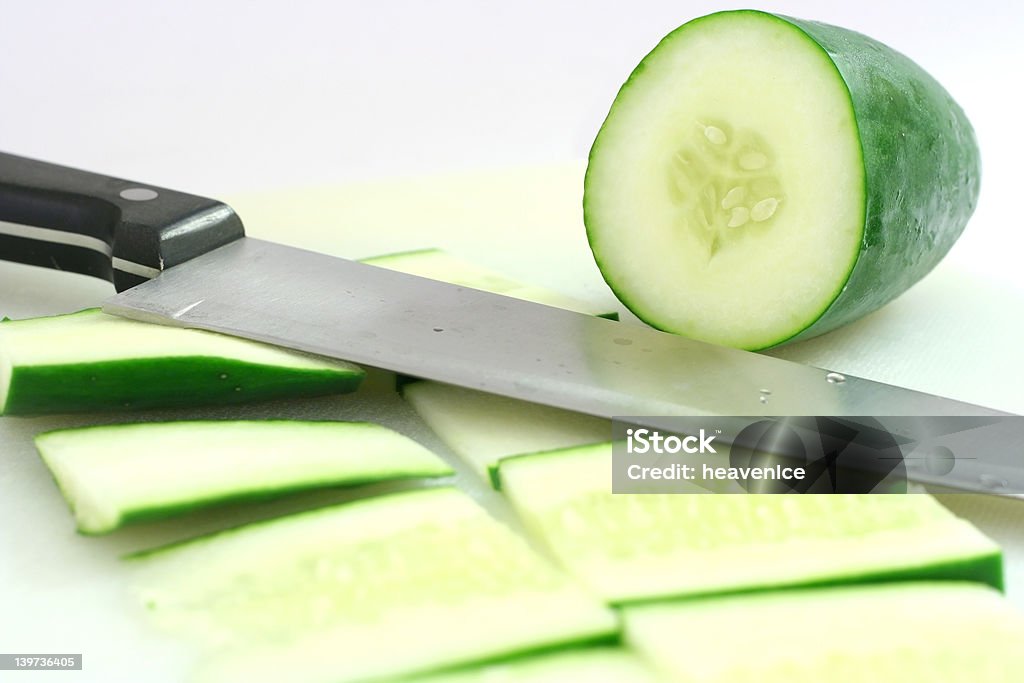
(439, 265)
(90, 361)
(592, 665)
(382, 587)
(932, 632)
(117, 474)
(483, 428)
(761, 179)
(633, 547)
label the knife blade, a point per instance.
(184, 260)
(433, 330)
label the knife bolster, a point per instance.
(119, 230)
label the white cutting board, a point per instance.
(959, 333)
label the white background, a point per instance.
(225, 97)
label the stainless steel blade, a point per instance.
(430, 329)
(434, 330)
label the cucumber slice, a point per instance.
(762, 179)
(90, 361)
(883, 634)
(123, 473)
(630, 547)
(439, 265)
(389, 586)
(592, 665)
(483, 428)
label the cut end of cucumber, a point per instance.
(725, 192)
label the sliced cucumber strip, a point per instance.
(387, 586)
(891, 633)
(92, 361)
(117, 474)
(589, 665)
(761, 178)
(629, 547)
(483, 428)
(439, 265)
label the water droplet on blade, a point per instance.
(835, 378)
(992, 482)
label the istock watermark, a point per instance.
(642, 440)
(818, 454)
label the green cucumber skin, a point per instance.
(157, 513)
(173, 382)
(214, 536)
(984, 569)
(596, 643)
(382, 259)
(922, 172)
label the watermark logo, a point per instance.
(820, 454)
(642, 440)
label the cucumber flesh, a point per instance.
(383, 587)
(918, 632)
(440, 265)
(760, 179)
(632, 547)
(117, 474)
(90, 361)
(483, 428)
(592, 665)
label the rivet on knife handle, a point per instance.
(114, 229)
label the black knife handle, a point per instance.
(118, 230)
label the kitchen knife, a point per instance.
(184, 260)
